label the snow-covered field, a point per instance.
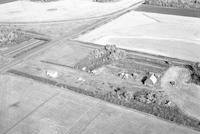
(169, 35)
(25, 11)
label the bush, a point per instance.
(7, 35)
(11, 36)
(100, 57)
(195, 72)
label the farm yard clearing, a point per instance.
(185, 94)
(115, 81)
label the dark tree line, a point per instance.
(195, 72)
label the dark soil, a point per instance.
(188, 12)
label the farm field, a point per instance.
(60, 29)
(165, 30)
(169, 10)
(171, 48)
(24, 11)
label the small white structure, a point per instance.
(153, 78)
(80, 79)
(84, 68)
(51, 73)
(98, 71)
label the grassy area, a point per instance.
(55, 30)
(175, 3)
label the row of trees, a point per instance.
(10, 36)
(7, 35)
(175, 3)
(100, 57)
